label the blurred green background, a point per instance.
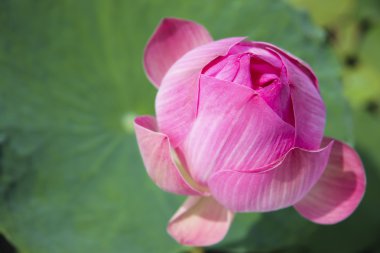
(71, 81)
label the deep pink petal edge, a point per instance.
(340, 189)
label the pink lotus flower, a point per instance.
(239, 128)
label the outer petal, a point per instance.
(234, 129)
(340, 189)
(282, 185)
(157, 156)
(177, 98)
(172, 39)
(200, 221)
(308, 106)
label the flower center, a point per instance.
(243, 69)
(258, 70)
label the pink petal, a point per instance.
(158, 159)
(281, 185)
(200, 221)
(234, 129)
(171, 40)
(177, 98)
(340, 189)
(308, 106)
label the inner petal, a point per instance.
(259, 70)
(263, 73)
(232, 68)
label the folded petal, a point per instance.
(171, 40)
(340, 189)
(177, 98)
(308, 106)
(158, 159)
(235, 129)
(279, 186)
(200, 221)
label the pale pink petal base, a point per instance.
(171, 40)
(200, 221)
(340, 189)
(283, 185)
(158, 159)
